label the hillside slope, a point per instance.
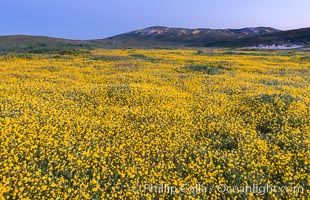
(161, 36)
(291, 37)
(36, 44)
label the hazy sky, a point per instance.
(90, 19)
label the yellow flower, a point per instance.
(105, 121)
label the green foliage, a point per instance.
(109, 58)
(200, 52)
(211, 70)
(144, 57)
(265, 104)
(51, 68)
(44, 48)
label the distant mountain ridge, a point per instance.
(290, 37)
(184, 33)
(161, 36)
(187, 37)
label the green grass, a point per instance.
(211, 70)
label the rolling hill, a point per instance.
(291, 37)
(164, 36)
(161, 37)
(37, 44)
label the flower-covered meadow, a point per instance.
(101, 125)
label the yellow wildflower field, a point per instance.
(155, 124)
